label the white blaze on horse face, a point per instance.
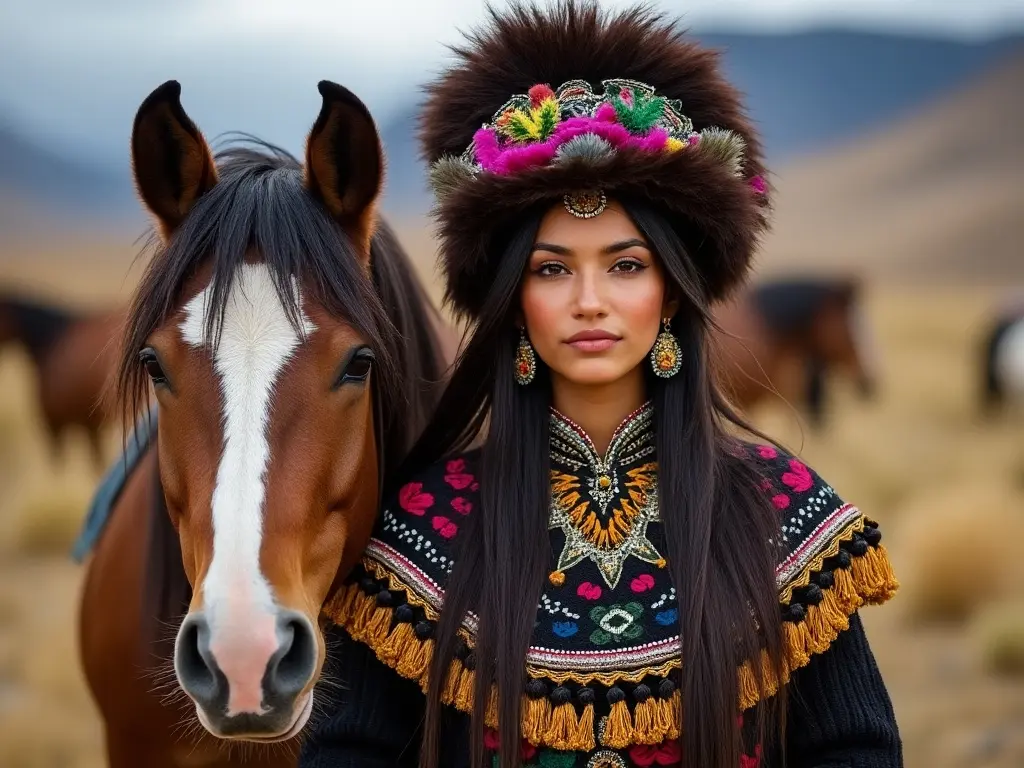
(256, 341)
(1009, 362)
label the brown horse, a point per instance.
(783, 337)
(294, 357)
(74, 354)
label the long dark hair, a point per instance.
(716, 525)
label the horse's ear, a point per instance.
(849, 289)
(171, 162)
(344, 161)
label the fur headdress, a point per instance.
(555, 104)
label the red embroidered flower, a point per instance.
(766, 484)
(642, 583)
(588, 591)
(538, 93)
(767, 452)
(461, 505)
(413, 500)
(751, 761)
(444, 526)
(491, 742)
(457, 476)
(780, 500)
(799, 477)
(666, 753)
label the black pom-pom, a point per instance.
(585, 695)
(826, 579)
(666, 688)
(384, 598)
(403, 613)
(561, 695)
(796, 612)
(461, 649)
(470, 661)
(424, 629)
(642, 693)
(812, 594)
(369, 585)
(615, 695)
(873, 536)
(858, 547)
(536, 689)
(843, 559)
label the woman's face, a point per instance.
(593, 296)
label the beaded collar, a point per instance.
(603, 664)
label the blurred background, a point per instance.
(895, 132)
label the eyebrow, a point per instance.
(622, 245)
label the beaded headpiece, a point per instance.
(571, 105)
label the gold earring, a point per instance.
(526, 361)
(666, 354)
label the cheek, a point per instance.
(639, 304)
(545, 307)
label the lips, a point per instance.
(592, 340)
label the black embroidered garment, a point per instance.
(602, 666)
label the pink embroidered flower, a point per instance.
(751, 761)
(642, 583)
(589, 591)
(413, 500)
(799, 477)
(758, 185)
(457, 476)
(781, 501)
(766, 484)
(462, 506)
(767, 452)
(491, 742)
(666, 753)
(444, 526)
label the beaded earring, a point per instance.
(526, 361)
(666, 354)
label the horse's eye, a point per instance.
(151, 363)
(358, 367)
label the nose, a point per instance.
(587, 297)
(239, 700)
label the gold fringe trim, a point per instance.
(869, 580)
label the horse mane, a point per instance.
(787, 306)
(38, 324)
(260, 203)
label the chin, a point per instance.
(594, 374)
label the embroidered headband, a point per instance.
(575, 125)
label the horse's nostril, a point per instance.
(292, 665)
(197, 671)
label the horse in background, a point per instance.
(73, 354)
(294, 357)
(1002, 358)
(785, 336)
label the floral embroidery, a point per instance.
(462, 506)
(605, 515)
(616, 623)
(413, 499)
(667, 618)
(457, 476)
(642, 583)
(767, 452)
(589, 591)
(798, 478)
(555, 758)
(666, 753)
(751, 761)
(565, 628)
(780, 500)
(444, 526)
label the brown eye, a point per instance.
(151, 363)
(359, 367)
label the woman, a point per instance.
(544, 588)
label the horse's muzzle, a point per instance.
(286, 674)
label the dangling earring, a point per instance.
(666, 355)
(526, 361)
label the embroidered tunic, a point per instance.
(603, 663)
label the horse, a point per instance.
(782, 337)
(73, 358)
(1002, 359)
(293, 357)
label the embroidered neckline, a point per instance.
(604, 504)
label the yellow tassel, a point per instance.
(464, 693)
(365, 605)
(749, 694)
(583, 738)
(821, 622)
(618, 732)
(449, 693)
(663, 717)
(874, 576)
(491, 714)
(561, 731)
(845, 590)
(645, 729)
(536, 716)
(415, 662)
(378, 628)
(343, 604)
(798, 640)
(400, 643)
(675, 707)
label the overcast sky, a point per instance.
(74, 71)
